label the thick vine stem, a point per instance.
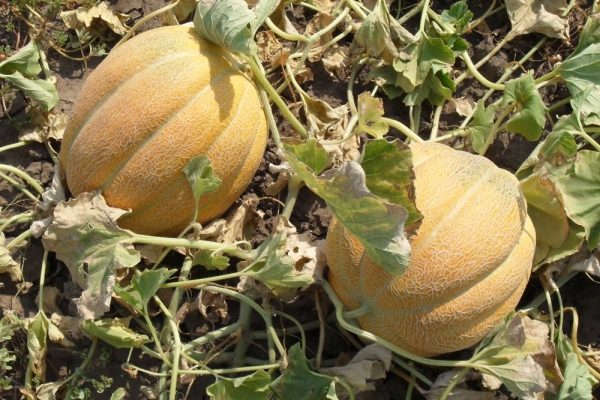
(339, 309)
(143, 20)
(23, 175)
(265, 84)
(192, 244)
(272, 339)
(402, 128)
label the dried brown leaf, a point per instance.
(460, 392)
(213, 307)
(7, 263)
(369, 364)
(46, 127)
(50, 301)
(44, 211)
(87, 17)
(541, 16)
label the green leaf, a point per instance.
(389, 174)
(590, 34)
(200, 175)
(230, 24)
(457, 16)
(298, 382)
(418, 59)
(569, 247)
(251, 387)
(114, 332)
(23, 65)
(545, 209)
(581, 68)
(480, 126)
(143, 287)
(578, 187)
(310, 152)
(437, 88)
(586, 105)
(210, 260)
(560, 144)
(85, 236)
(380, 35)
(580, 74)
(530, 117)
(370, 111)
(25, 61)
(578, 381)
(378, 225)
(42, 92)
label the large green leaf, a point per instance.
(418, 59)
(310, 152)
(389, 174)
(25, 61)
(580, 72)
(480, 127)
(578, 382)
(229, 23)
(23, 65)
(579, 189)
(378, 225)
(530, 117)
(457, 16)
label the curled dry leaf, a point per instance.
(369, 364)
(336, 60)
(541, 16)
(213, 307)
(44, 211)
(85, 236)
(590, 265)
(238, 225)
(46, 127)
(69, 326)
(270, 49)
(320, 21)
(324, 121)
(307, 254)
(50, 301)
(100, 14)
(7, 263)
(464, 106)
(460, 392)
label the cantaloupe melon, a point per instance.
(153, 104)
(470, 262)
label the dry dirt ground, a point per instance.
(310, 214)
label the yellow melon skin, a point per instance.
(153, 104)
(470, 262)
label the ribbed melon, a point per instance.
(470, 262)
(153, 104)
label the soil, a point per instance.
(508, 151)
